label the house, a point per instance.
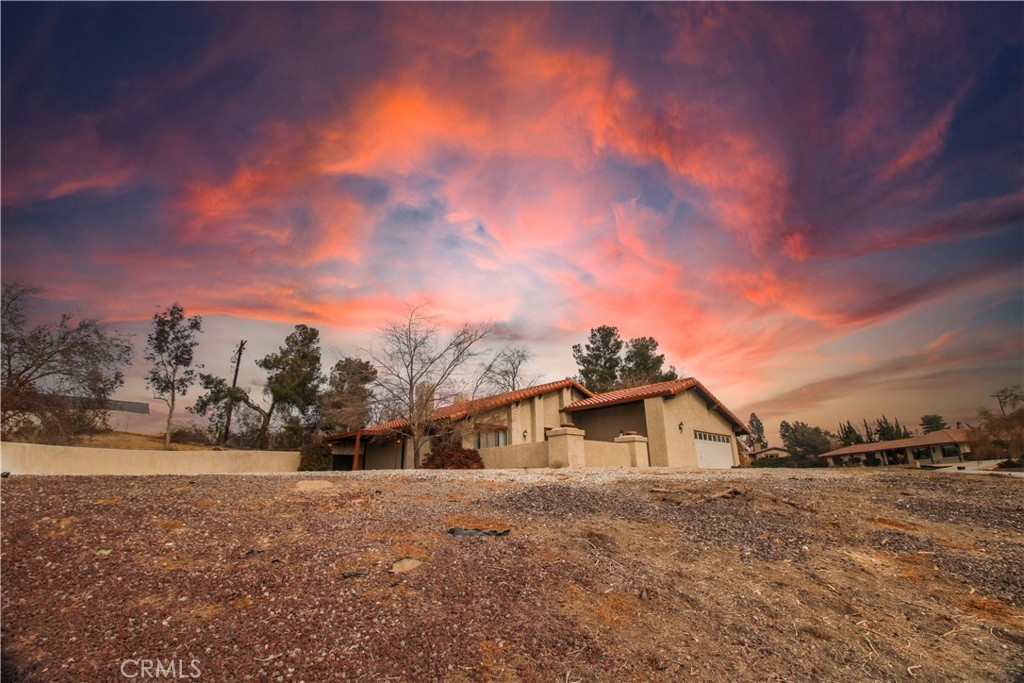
(772, 452)
(560, 424)
(685, 425)
(941, 446)
(515, 418)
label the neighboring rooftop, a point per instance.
(936, 438)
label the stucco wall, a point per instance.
(517, 456)
(24, 458)
(381, 455)
(604, 454)
(696, 415)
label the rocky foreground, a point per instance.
(603, 576)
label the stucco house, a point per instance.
(942, 446)
(669, 424)
(685, 425)
(770, 453)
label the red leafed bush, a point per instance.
(452, 457)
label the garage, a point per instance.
(714, 451)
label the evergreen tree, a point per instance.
(869, 434)
(848, 435)
(932, 423)
(642, 364)
(599, 360)
(756, 441)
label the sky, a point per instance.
(816, 209)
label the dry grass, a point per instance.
(133, 441)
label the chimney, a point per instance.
(425, 397)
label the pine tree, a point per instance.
(599, 360)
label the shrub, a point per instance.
(315, 457)
(189, 433)
(452, 457)
(773, 462)
(1011, 463)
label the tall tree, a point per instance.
(346, 402)
(889, 431)
(642, 364)
(757, 440)
(419, 367)
(848, 435)
(869, 433)
(294, 376)
(55, 379)
(171, 348)
(598, 360)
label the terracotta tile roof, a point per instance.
(665, 389)
(935, 438)
(458, 411)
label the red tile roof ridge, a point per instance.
(669, 388)
(458, 411)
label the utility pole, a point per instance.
(231, 399)
(999, 397)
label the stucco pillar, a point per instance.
(537, 428)
(565, 447)
(638, 454)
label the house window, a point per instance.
(708, 436)
(949, 450)
(922, 453)
(491, 438)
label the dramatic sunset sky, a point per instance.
(817, 209)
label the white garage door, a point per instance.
(714, 451)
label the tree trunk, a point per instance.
(265, 425)
(170, 414)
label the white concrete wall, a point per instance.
(27, 458)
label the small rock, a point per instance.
(405, 564)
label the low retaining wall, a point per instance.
(605, 454)
(515, 456)
(30, 458)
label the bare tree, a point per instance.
(419, 368)
(506, 371)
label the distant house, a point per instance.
(685, 425)
(942, 446)
(669, 424)
(770, 453)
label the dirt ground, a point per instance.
(604, 576)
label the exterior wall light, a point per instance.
(525, 434)
(680, 426)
